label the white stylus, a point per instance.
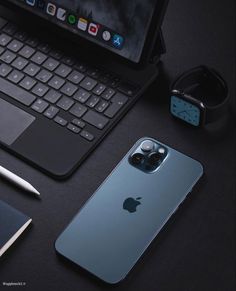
(13, 178)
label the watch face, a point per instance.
(185, 110)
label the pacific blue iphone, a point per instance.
(115, 227)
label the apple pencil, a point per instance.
(13, 178)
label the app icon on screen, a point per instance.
(41, 4)
(31, 2)
(51, 9)
(118, 41)
(71, 19)
(61, 14)
(82, 24)
(93, 29)
(106, 35)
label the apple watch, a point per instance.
(199, 96)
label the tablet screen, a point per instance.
(119, 25)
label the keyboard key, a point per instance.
(20, 63)
(73, 128)
(26, 52)
(78, 123)
(108, 93)
(60, 120)
(39, 58)
(1, 50)
(81, 67)
(44, 47)
(76, 77)
(93, 101)
(44, 76)
(10, 29)
(105, 78)
(78, 110)
(32, 70)
(15, 45)
(51, 64)
(118, 101)
(88, 84)
(128, 89)
(52, 96)
(94, 73)
(27, 83)
(109, 76)
(51, 112)
(95, 119)
(56, 54)
(21, 35)
(114, 82)
(40, 90)
(4, 39)
(63, 71)
(16, 92)
(4, 70)
(65, 103)
(99, 89)
(39, 106)
(56, 82)
(8, 57)
(68, 61)
(119, 98)
(102, 106)
(32, 41)
(82, 96)
(15, 76)
(87, 135)
(69, 89)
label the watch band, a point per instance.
(206, 85)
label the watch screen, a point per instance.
(120, 26)
(185, 110)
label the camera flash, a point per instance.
(161, 150)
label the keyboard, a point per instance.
(61, 88)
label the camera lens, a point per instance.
(154, 159)
(147, 146)
(137, 159)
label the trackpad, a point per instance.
(13, 122)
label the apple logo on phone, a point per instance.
(131, 204)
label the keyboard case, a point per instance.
(59, 149)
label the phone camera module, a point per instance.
(137, 159)
(147, 146)
(148, 156)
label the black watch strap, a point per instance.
(206, 85)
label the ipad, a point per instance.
(125, 28)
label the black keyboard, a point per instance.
(59, 87)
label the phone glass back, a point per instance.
(125, 214)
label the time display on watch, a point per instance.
(185, 111)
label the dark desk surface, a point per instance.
(196, 250)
